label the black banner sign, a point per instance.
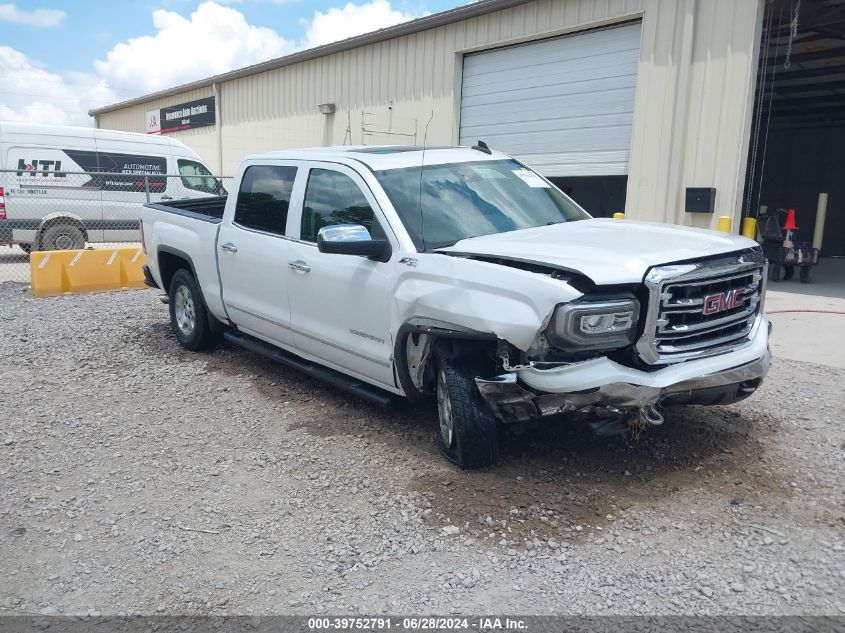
(185, 116)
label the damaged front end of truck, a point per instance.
(690, 333)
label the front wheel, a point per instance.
(467, 428)
(188, 316)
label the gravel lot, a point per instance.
(138, 478)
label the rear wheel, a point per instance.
(467, 433)
(62, 237)
(188, 316)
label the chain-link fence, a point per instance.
(52, 210)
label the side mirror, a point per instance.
(351, 239)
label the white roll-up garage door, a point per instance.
(564, 106)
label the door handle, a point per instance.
(299, 265)
(167, 197)
(228, 246)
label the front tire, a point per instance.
(467, 433)
(188, 316)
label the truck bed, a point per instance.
(205, 209)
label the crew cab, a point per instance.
(461, 276)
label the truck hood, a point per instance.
(607, 251)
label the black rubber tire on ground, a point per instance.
(26, 248)
(775, 272)
(805, 274)
(473, 441)
(188, 316)
(62, 237)
(788, 272)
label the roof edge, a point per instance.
(424, 23)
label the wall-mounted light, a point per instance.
(326, 108)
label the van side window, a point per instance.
(264, 198)
(333, 198)
(195, 176)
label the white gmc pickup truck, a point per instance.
(459, 274)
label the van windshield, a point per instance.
(455, 201)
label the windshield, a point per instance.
(459, 200)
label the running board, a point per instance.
(373, 395)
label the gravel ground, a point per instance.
(139, 478)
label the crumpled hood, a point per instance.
(607, 251)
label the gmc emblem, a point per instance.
(721, 301)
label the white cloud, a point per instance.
(42, 18)
(33, 94)
(350, 20)
(215, 39)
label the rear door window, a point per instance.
(264, 198)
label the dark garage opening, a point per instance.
(798, 129)
(600, 196)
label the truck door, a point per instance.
(340, 304)
(253, 253)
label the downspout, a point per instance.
(680, 114)
(218, 105)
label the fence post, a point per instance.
(147, 187)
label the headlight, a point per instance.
(591, 325)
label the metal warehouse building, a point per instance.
(642, 106)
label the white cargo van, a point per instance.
(63, 187)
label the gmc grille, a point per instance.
(702, 308)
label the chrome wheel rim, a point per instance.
(444, 410)
(183, 307)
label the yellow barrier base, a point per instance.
(94, 270)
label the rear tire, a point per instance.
(62, 237)
(188, 316)
(467, 433)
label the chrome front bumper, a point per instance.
(529, 393)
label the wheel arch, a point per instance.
(169, 260)
(57, 218)
(452, 340)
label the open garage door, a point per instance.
(564, 106)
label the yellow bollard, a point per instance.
(749, 228)
(724, 224)
(618, 216)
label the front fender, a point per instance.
(509, 303)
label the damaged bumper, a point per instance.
(529, 392)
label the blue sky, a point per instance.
(58, 59)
